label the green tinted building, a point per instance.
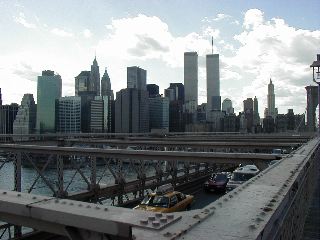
(48, 90)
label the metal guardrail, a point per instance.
(271, 205)
(265, 207)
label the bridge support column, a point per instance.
(312, 102)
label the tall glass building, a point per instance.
(159, 113)
(48, 90)
(69, 114)
(136, 78)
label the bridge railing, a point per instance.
(285, 184)
(272, 205)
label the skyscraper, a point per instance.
(69, 114)
(175, 94)
(272, 111)
(107, 111)
(248, 113)
(48, 90)
(256, 117)
(227, 106)
(153, 90)
(7, 116)
(213, 82)
(191, 80)
(136, 78)
(106, 85)
(159, 113)
(95, 78)
(178, 90)
(132, 111)
(25, 122)
(82, 82)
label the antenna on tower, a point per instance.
(212, 44)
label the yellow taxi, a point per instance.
(166, 200)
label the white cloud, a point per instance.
(21, 19)
(235, 22)
(253, 18)
(143, 37)
(61, 32)
(87, 33)
(273, 49)
(221, 16)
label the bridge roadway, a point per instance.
(202, 146)
(272, 205)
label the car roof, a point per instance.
(169, 194)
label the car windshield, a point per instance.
(241, 176)
(220, 177)
(146, 200)
(159, 201)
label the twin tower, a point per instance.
(191, 81)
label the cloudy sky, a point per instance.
(256, 40)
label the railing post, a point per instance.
(17, 187)
(93, 176)
(60, 191)
(186, 170)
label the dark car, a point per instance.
(217, 182)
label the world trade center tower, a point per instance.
(191, 80)
(213, 82)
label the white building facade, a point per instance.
(25, 122)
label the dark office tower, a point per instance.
(48, 90)
(159, 113)
(176, 123)
(94, 85)
(136, 78)
(25, 122)
(132, 111)
(256, 117)
(153, 90)
(291, 120)
(178, 89)
(268, 124)
(82, 82)
(0, 98)
(106, 85)
(248, 113)
(175, 93)
(230, 123)
(7, 116)
(281, 123)
(86, 98)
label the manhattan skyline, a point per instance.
(256, 41)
